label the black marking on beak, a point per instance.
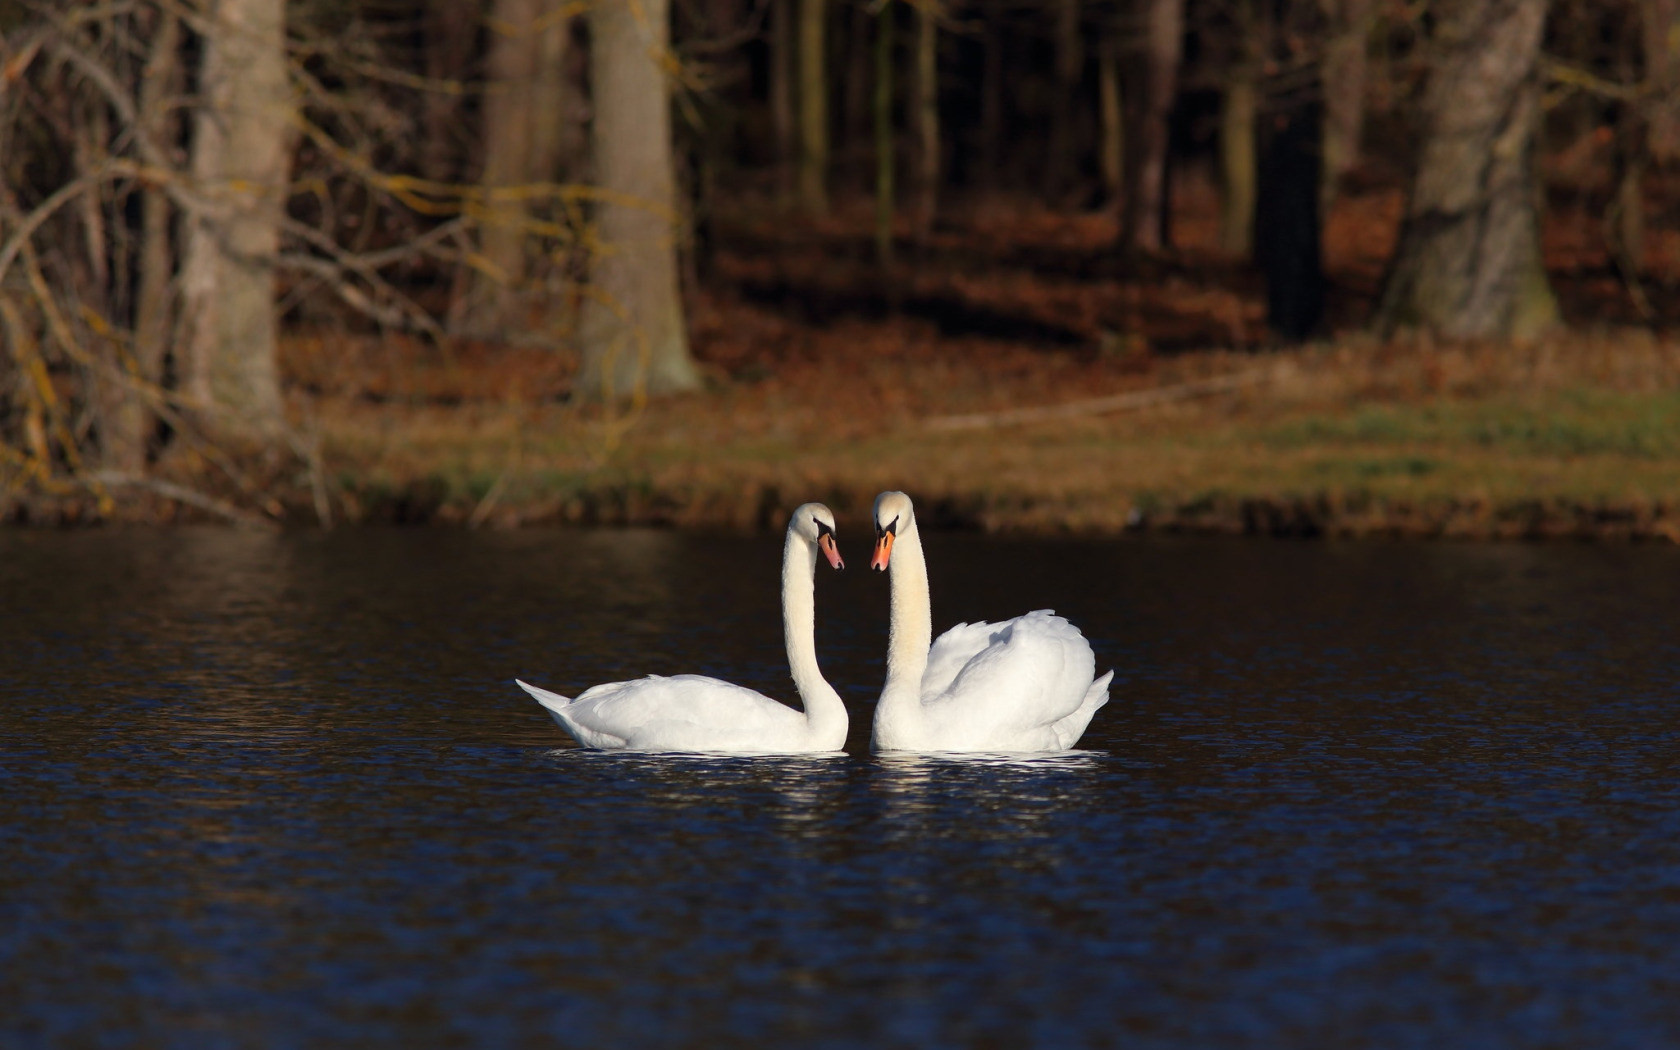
(890, 528)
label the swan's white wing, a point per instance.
(1036, 671)
(682, 713)
(952, 651)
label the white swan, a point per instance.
(693, 713)
(1021, 685)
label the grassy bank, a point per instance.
(1579, 436)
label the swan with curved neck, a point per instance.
(694, 713)
(1026, 684)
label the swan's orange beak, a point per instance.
(825, 543)
(883, 551)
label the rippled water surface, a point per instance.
(280, 791)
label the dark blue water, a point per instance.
(280, 791)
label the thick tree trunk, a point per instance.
(783, 44)
(1468, 263)
(1344, 88)
(556, 137)
(927, 118)
(634, 340)
(813, 107)
(1111, 119)
(1146, 191)
(240, 163)
(509, 108)
(1060, 163)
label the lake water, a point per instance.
(281, 791)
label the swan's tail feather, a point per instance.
(1097, 695)
(552, 701)
(1070, 729)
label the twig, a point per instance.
(1098, 405)
(182, 494)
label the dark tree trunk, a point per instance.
(991, 96)
(1060, 163)
(1147, 164)
(1286, 231)
(1468, 263)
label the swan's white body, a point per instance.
(1026, 684)
(694, 713)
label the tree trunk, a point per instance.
(1468, 264)
(634, 340)
(1060, 162)
(1111, 112)
(153, 316)
(1287, 230)
(555, 138)
(813, 107)
(927, 118)
(1660, 25)
(1145, 218)
(1238, 164)
(991, 97)
(1344, 88)
(240, 162)
(492, 303)
(451, 28)
(783, 37)
(858, 99)
(884, 133)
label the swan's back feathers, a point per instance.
(1027, 676)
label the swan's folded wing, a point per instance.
(1036, 672)
(952, 651)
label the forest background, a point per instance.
(1281, 266)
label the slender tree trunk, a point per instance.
(1660, 25)
(991, 97)
(1468, 263)
(813, 107)
(634, 339)
(241, 159)
(492, 304)
(159, 83)
(1145, 218)
(451, 28)
(1060, 162)
(927, 118)
(858, 100)
(1344, 88)
(1111, 112)
(884, 133)
(1238, 159)
(783, 43)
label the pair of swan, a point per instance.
(1027, 684)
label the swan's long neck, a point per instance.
(825, 712)
(899, 716)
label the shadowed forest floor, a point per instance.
(829, 381)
